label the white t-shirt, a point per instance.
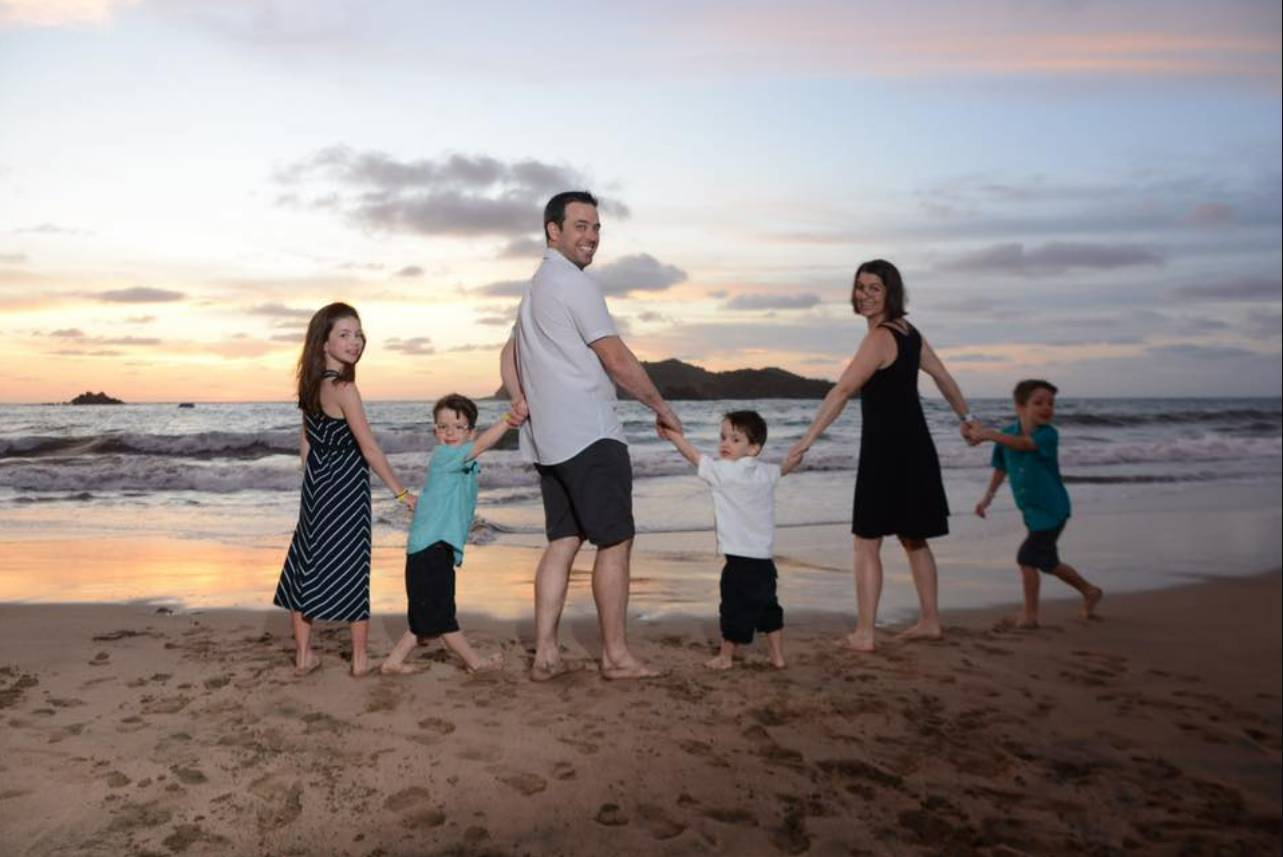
(571, 398)
(743, 504)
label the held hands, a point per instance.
(667, 421)
(409, 500)
(795, 455)
(518, 413)
(972, 433)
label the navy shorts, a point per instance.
(429, 591)
(1039, 551)
(749, 602)
(590, 495)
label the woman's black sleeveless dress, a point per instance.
(327, 569)
(898, 489)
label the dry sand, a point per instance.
(1154, 730)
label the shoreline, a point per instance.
(1156, 728)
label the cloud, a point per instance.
(279, 310)
(13, 258)
(1052, 259)
(409, 271)
(523, 248)
(46, 229)
(140, 295)
(68, 333)
(78, 352)
(141, 319)
(504, 289)
(456, 195)
(411, 345)
(639, 273)
(761, 302)
(496, 347)
(1200, 352)
(129, 340)
(1212, 214)
(58, 13)
(1248, 287)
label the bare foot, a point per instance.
(921, 631)
(309, 666)
(778, 663)
(631, 669)
(364, 669)
(494, 663)
(720, 662)
(1019, 622)
(402, 668)
(857, 641)
(1090, 600)
(549, 670)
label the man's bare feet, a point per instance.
(310, 665)
(857, 641)
(1019, 622)
(1090, 600)
(549, 670)
(921, 631)
(494, 663)
(720, 662)
(402, 668)
(626, 670)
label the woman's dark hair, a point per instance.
(749, 422)
(461, 405)
(889, 274)
(555, 210)
(311, 363)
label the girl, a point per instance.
(327, 570)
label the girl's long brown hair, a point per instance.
(311, 363)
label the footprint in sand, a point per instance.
(100, 660)
(282, 801)
(563, 771)
(611, 815)
(409, 798)
(167, 705)
(700, 750)
(187, 835)
(791, 837)
(737, 817)
(189, 776)
(658, 822)
(116, 780)
(524, 783)
(587, 748)
(435, 727)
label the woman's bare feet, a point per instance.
(859, 641)
(308, 665)
(1090, 600)
(549, 670)
(494, 663)
(921, 631)
(720, 661)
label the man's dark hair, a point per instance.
(461, 405)
(749, 422)
(1025, 389)
(555, 210)
(896, 299)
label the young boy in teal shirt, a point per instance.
(442, 519)
(1027, 452)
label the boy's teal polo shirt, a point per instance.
(444, 511)
(1035, 478)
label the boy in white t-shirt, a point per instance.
(744, 508)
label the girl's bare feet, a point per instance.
(720, 662)
(1090, 600)
(310, 664)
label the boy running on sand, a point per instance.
(1027, 451)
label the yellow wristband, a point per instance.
(400, 498)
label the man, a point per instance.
(561, 366)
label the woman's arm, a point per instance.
(349, 401)
(934, 366)
(872, 353)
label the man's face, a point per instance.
(578, 236)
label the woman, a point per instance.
(898, 489)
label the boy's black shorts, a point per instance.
(589, 495)
(429, 591)
(749, 602)
(1039, 551)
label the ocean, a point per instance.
(229, 474)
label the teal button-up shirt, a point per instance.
(444, 511)
(1035, 478)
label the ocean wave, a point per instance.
(200, 445)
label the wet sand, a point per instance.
(1154, 730)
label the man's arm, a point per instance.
(512, 379)
(626, 370)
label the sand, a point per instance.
(1154, 730)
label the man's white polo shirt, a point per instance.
(571, 398)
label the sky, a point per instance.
(1078, 190)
